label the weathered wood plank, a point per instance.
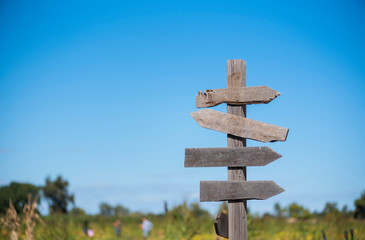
(235, 96)
(229, 157)
(239, 126)
(237, 210)
(235, 190)
(221, 225)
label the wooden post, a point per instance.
(236, 157)
(237, 210)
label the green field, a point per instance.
(191, 222)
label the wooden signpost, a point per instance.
(235, 190)
(239, 126)
(236, 156)
(229, 157)
(221, 224)
(236, 96)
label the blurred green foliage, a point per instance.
(185, 221)
(360, 207)
(56, 192)
(18, 193)
(190, 221)
(297, 211)
(108, 210)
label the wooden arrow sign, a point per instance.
(229, 157)
(221, 225)
(236, 96)
(236, 190)
(239, 126)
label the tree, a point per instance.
(330, 208)
(119, 211)
(106, 209)
(297, 211)
(165, 207)
(57, 195)
(18, 193)
(345, 210)
(360, 207)
(197, 211)
(279, 212)
(77, 211)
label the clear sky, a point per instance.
(100, 92)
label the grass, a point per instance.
(68, 227)
(189, 222)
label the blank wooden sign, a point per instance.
(236, 190)
(239, 126)
(229, 157)
(236, 96)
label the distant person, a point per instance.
(117, 227)
(85, 227)
(90, 233)
(146, 227)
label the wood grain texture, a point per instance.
(235, 190)
(237, 210)
(229, 157)
(235, 96)
(239, 126)
(221, 225)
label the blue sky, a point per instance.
(100, 92)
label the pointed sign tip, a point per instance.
(194, 114)
(279, 189)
